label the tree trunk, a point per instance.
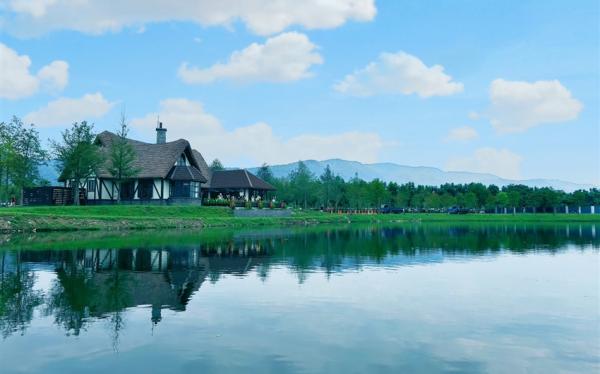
(120, 186)
(76, 193)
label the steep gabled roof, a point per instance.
(186, 173)
(238, 179)
(203, 166)
(153, 160)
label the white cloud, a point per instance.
(55, 75)
(263, 17)
(518, 106)
(501, 162)
(254, 144)
(283, 58)
(33, 8)
(65, 111)
(399, 73)
(461, 134)
(16, 81)
(474, 115)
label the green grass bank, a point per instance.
(127, 217)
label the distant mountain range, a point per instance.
(390, 172)
(422, 175)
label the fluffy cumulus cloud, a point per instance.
(264, 17)
(283, 58)
(399, 73)
(501, 162)
(517, 106)
(65, 111)
(461, 134)
(254, 144)
(17, 81)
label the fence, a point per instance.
(561, 209)
(51, 195)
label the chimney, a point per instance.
(161, 134)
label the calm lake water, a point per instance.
(361, 299)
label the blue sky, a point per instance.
(510, 88)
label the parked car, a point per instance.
(386, 209)
(458, 210)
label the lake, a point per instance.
(431, 298)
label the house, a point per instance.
(168, 173)
(239, 183)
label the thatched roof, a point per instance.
(239, 178)
(203, 166)
(186, 173)
(153, 160)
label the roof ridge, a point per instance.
(248, 177)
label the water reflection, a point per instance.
(99, 276)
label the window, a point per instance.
(180, 189)
(145, 188)
(91, 185)
(195, 190)
(127, 190)
(185, 189)
(181, 161)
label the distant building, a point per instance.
(168, 172)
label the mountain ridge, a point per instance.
(420, 175)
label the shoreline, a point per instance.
(123, 218)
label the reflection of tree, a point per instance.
(76, 296)
(18, 299)
(69, 300)
(116, 299)
(103, 283)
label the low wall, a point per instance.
(242, 212)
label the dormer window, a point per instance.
(181, 161)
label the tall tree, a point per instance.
(327, 185)
(122, 157)
(216, 165)
(77, 155)
(265, 173)
(21, 154)
(301, 181)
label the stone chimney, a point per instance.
(161, 134)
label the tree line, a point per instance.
(77, 157)
(301, 188)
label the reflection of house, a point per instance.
(168, 172)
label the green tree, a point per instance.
(470, 200)
(216, 165)
(432, 201)
(122, 157)
(301, 182)
(265, 173)
(502, 199)
(77, 155)
(21, 154)
(378, 194)
(356, 193)
(331, 188)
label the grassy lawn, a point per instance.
(120, 211)
(118, 217)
